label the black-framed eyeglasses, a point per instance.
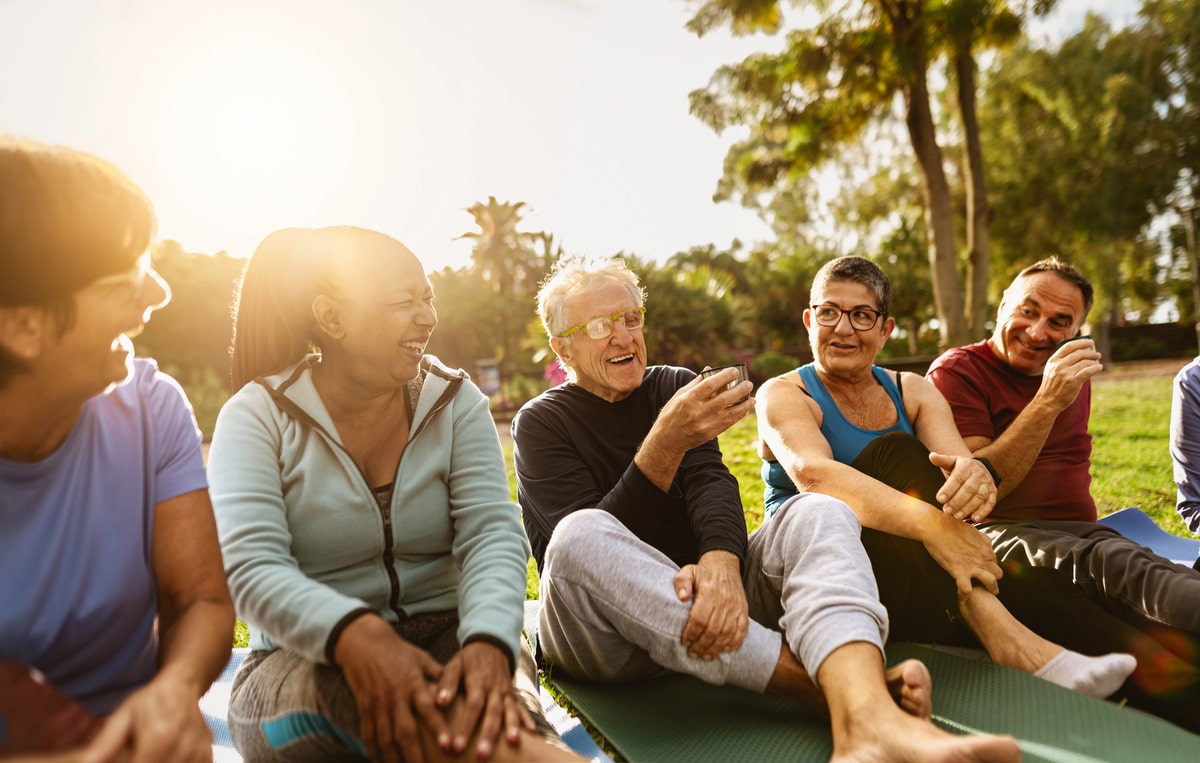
(602, 327)
(861, 318)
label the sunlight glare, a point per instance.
(254, 130)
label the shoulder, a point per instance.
(562, 403)
(968, 359)
(785, 384)
(147, 381)
(1189, 375)
(148, 394)
(437, 377)
(668, 376)
(917, 388)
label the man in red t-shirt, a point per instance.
(1021, 399)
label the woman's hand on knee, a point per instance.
(489, 702)
(392, 682)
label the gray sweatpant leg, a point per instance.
(808, 575)
(610, 613)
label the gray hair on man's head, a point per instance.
(573, 274)
(1068, 273)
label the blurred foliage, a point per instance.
(1092, 147)
(193, 332)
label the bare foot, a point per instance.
(911, 686)
(901, 737)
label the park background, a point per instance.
(725, 148)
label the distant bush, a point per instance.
(206, 390)
(1142, 348)
(771, 364)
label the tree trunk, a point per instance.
(1188, 218)
(914, 335)
(943, 260)
(979, 211)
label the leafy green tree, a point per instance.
(191, 336)
(837, 79)
(830, 83)
(1083, 157)
(504, 259)
(1174, 23)
(962, 27)
(467, 330)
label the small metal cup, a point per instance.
(1072, 339)
(743, 375)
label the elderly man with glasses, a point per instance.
(639, 536)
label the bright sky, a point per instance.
(239, 117)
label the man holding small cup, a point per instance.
(639, 535)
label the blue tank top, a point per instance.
(846, 440)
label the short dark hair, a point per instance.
(856, 270)
(274, 326)
(1068, 273)
(67, 218)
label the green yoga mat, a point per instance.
(679, 718)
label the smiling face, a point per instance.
(1038, 311)
(841, 350)
(610, 368)
(96, 353)
(384, 316)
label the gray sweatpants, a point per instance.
(610, 613)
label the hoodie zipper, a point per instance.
(454, 382)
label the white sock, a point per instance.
(1095, 676)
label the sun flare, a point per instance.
(255, 130)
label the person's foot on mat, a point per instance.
(1095, 676)
(911, 686)
(899, 737)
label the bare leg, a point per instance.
(908, 683)
(1008, 642)
(868, 726)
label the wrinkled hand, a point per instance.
(391, 680)
(1066, 371)
(161, 721)
(719, 616)
(490, 699)
(702, 409)
(964, 553)
(969, 491)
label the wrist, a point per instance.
(932, 523)
(356, 629)
(991, 469)
(182, 680)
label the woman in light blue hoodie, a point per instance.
(365, 520)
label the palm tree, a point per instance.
(502, 257)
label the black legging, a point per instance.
(922, 599)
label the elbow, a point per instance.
(810, 478)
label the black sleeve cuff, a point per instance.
(503, 647)
(336, 633)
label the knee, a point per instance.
(810, 513)
(576, 538)
(899, 450)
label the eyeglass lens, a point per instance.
(599, 328)
(860, 318)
